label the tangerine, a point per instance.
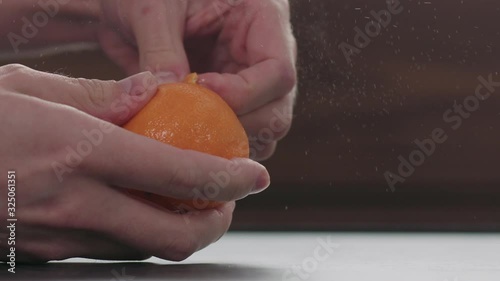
(189, 116)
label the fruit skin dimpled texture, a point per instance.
(189, 116)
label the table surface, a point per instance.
(302, 256)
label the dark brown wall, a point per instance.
(353, 120)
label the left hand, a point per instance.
(244, 50)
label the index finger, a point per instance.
(270, 53)
(158, 27)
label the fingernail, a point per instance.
(202, 81)
(138, 84)
(166, 77)
(263, 182)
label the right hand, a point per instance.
(244, 50)
(72, 204)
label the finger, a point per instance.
(156, 232)
(270, 122)
(112, 101)
(261, 151)
(252, 87)
(143, 230)
(109, 249)
(119, 50)
(270, 55)
(266, 126)
(158, 27)
(40, 245)
(205, 18)
(128, 160)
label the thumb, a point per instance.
(158, 27)
(116, 102)
(112, 101)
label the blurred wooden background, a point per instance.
(353, 120)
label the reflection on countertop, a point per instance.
(128, 271)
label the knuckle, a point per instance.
(98, 93)
(284, 127)
(236, 192)
(14, 73)
(182, 179)
(182, 248)
(278, 121)
(172, 56)
(282, 133)
(288, 76)
(63, 215)
(14, 69)
(266, 153)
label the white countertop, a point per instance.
(300, 256)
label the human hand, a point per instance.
(243, 49)
(146, 35)
(72, 169)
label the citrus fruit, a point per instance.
(189, 116)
